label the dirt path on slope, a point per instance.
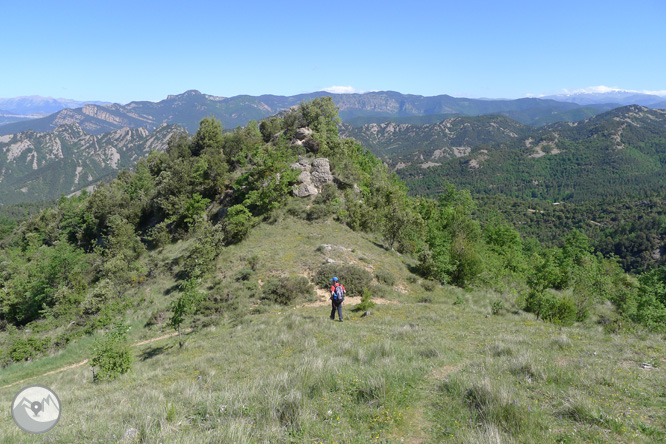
(324, 300)
(85, 361)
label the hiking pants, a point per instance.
(338, 305)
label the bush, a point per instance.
(111, 356)
(552, 308)
(237, 224)
(318, 211)
(385, 277)
(285, 290)
(429, 285)
(253, 261)
(202, 252)
(366, 301)
(244, 274)
(352, 277)
(460, 300)
(28, 348)
(497, 307)
(159, 236)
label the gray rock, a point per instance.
(305, 177)
(330, 261)
(130, 436)
(305, 190)
(321, 172)
(313, 176)
(303, 133)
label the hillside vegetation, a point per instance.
(480, 334)
(602, 176)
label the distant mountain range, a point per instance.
(189, 108)
(618, 97)
(42, 166)
(33, 105)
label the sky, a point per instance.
(120, 51)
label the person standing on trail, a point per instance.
(337, 296)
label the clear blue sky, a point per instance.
(143, 50)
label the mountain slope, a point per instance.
(189, 108)
(41, 166)
(616, 153)
(432, 144)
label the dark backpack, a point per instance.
(338, 293)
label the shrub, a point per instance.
(201, 255)
(318, 211)
(111, 356)
(428, 285)
(460, 300)
(253, 261)
(552, 308)
(385, 277)
(354, 278)
(366, 301)
(237, 224)
(285, 290)
(187, 303)
(28, 348)
(156, 318)
(497, 307)
(159, 235)
(244, 274)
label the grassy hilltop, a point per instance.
(476, 335)
(431, 366)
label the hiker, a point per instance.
(337, 296)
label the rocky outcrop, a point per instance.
(314, 175)
(304, 138)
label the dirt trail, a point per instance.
(85, 361)
(324, 300)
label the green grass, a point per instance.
(409, 372)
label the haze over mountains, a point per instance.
(189, 108)
(610, 96)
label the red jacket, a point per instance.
(337, 284)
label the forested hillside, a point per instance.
(602, 176)
(618, 153)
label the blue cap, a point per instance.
(335, 279)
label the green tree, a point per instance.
(208, 137)
(237, 224)
(185, 305)
(194, 208)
